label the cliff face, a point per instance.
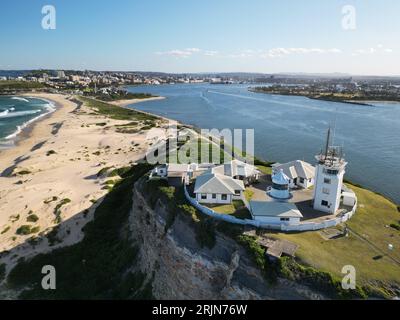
(181, 269)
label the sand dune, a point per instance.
(58, 160)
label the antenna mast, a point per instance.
(327, 143)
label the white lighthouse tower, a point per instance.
(280, 186)
(330, 171)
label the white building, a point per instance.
(300, 173)
(238, 170)
(61, 74)
(215, 188)
(330, 171)
(275, 212)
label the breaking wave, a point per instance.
(20, 99)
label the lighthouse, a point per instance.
(330, 170)
(280, 186)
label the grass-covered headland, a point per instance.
(99, 266)
(7, 86)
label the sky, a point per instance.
(267, 36)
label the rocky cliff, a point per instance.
(180, 268)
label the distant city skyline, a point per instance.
(176, 36)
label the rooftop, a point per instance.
(274, 209)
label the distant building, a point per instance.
(61, 74)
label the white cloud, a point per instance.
(210, 53)
(185, 53)
(373, 50)
(280, 52)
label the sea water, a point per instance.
(292, 127)
(16, 113)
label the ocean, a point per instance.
(18, 112)
(292, 127)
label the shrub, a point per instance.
(6, 229)
(32, 218)
(103, 171)
(205, 233)
(52, 236)
(50, 152)
(24, 172)
(103, 245)
(54, 198)
(2, 272)
(27, 229)
(395, 226)
(57, 209)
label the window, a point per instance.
(285, 219)
(327, 180)
(203, 196)
(331, 171)
(224, 197)
(324, 203)
(214, 196)
(280, 186)
(237, 192)
(325, 190)
(301, 180)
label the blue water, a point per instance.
(289, 127)
(16, 113)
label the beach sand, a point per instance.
(58, 158)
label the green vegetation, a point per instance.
(47, 201)
(14, 218)
(50, 152)
(314, 92)
(322, 281)
(57, 209)
(52, 236)
(222, 208)
(27, 229)
(395, 226)
(123, 96)
(6, 229)
(104, 245)
(176, 202)
(32, 218)
(115, 112)
(366, 248)
(265, 170)
(248, 194)
(10, 85)
(2, 271)
(236, 209)
(24, 172)
(103, 171)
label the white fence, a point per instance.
(295, 227)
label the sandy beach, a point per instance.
(51, 175)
